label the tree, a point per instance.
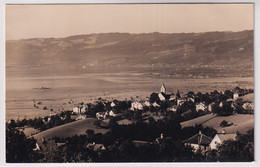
(112, 123)
(224, 123)
(19, 149)
(90, 132)
(154, 97)
(228, 94)
(240, 150)
(178, 95)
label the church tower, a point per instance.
(163, 89)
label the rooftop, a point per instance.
(199, 139)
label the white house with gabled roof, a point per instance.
(220, 138)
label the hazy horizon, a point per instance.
(125, 33)
(58, 21)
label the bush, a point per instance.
(224, 123)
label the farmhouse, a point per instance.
(136, 106)
(80, 117)
(220, 138)
(173, 108)
(172, 97)
(156, 105)
(248, 106)
(200, 106)
(79, 109)
(210, 106)
(199, 141)
(112, 104)
(180, 101)
(101, 115)
(112, 113)
(235, 95)
(162, 96)
(147, 103)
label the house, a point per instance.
(248, 106)
(112, 104)
(52, 113)
(76, 110)
(101, 115)
(235, 95)
(220, 138)
(136, 106)
(172, 97)
(147, 103)
(156, 105)
(173, 108)
(163, 89)
(180, 101)
(200, 106)
(162, 96)
(199, 141)
(160, 139)
(112, 114)
(191, 99)
(79, 109)
(96, 147)
(210, 106)
(80, 117)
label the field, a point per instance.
(199, 120)
(71, 129)
(241, 122)
(66, 90)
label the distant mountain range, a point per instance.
(123, 49)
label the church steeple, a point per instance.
(163, 89)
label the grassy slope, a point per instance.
(70, 129)
(241, 122)
(199, 120)
(248, 97)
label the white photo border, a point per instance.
(204, 164)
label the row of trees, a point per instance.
(44, 123)
(121, 148)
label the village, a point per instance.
(164, 117)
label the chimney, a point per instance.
(199, 137)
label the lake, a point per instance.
(24, 93)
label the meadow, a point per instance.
(71, 129)
(238, 122)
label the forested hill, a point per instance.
(123, 49)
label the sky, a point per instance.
(45, 21)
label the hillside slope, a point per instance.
(123, 49)
(241, 122)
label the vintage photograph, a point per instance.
(92, 83)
